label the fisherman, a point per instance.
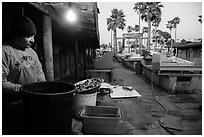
(20, 65)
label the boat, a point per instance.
(173, 74)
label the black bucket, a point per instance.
(48, 108)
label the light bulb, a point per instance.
(71, 16)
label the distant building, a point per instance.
(127, 40)
(191, 52)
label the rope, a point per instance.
(153, 98)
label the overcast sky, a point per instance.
(189, 28)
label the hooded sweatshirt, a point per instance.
(19, 67)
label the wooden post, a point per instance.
(89, 58)
(47, 43)
(85, 60)
(76, 54)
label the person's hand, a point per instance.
(20, 89)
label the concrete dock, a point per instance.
(156, 112)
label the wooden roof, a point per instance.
(189, 45)
(86, 27)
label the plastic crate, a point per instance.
(100, 119)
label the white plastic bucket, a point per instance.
(81, 100)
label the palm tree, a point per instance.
(200, 18)
(160, 38)
(144, 31)
(176, 21)
(149, 11)
(170, 26)
(129, 30)
(115, 21)
(136, 28)
(137, 9)
(156, 23)
(166, 37)
(183, 41)
(155, 38)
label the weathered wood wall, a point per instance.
(65, 55)
(192, 54)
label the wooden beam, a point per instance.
(77, 30)
(76, 54)
(85, 60)
(57, 15)
(96, 20)
(47, 43)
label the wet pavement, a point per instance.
(155, 113)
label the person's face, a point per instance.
(25, 41)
